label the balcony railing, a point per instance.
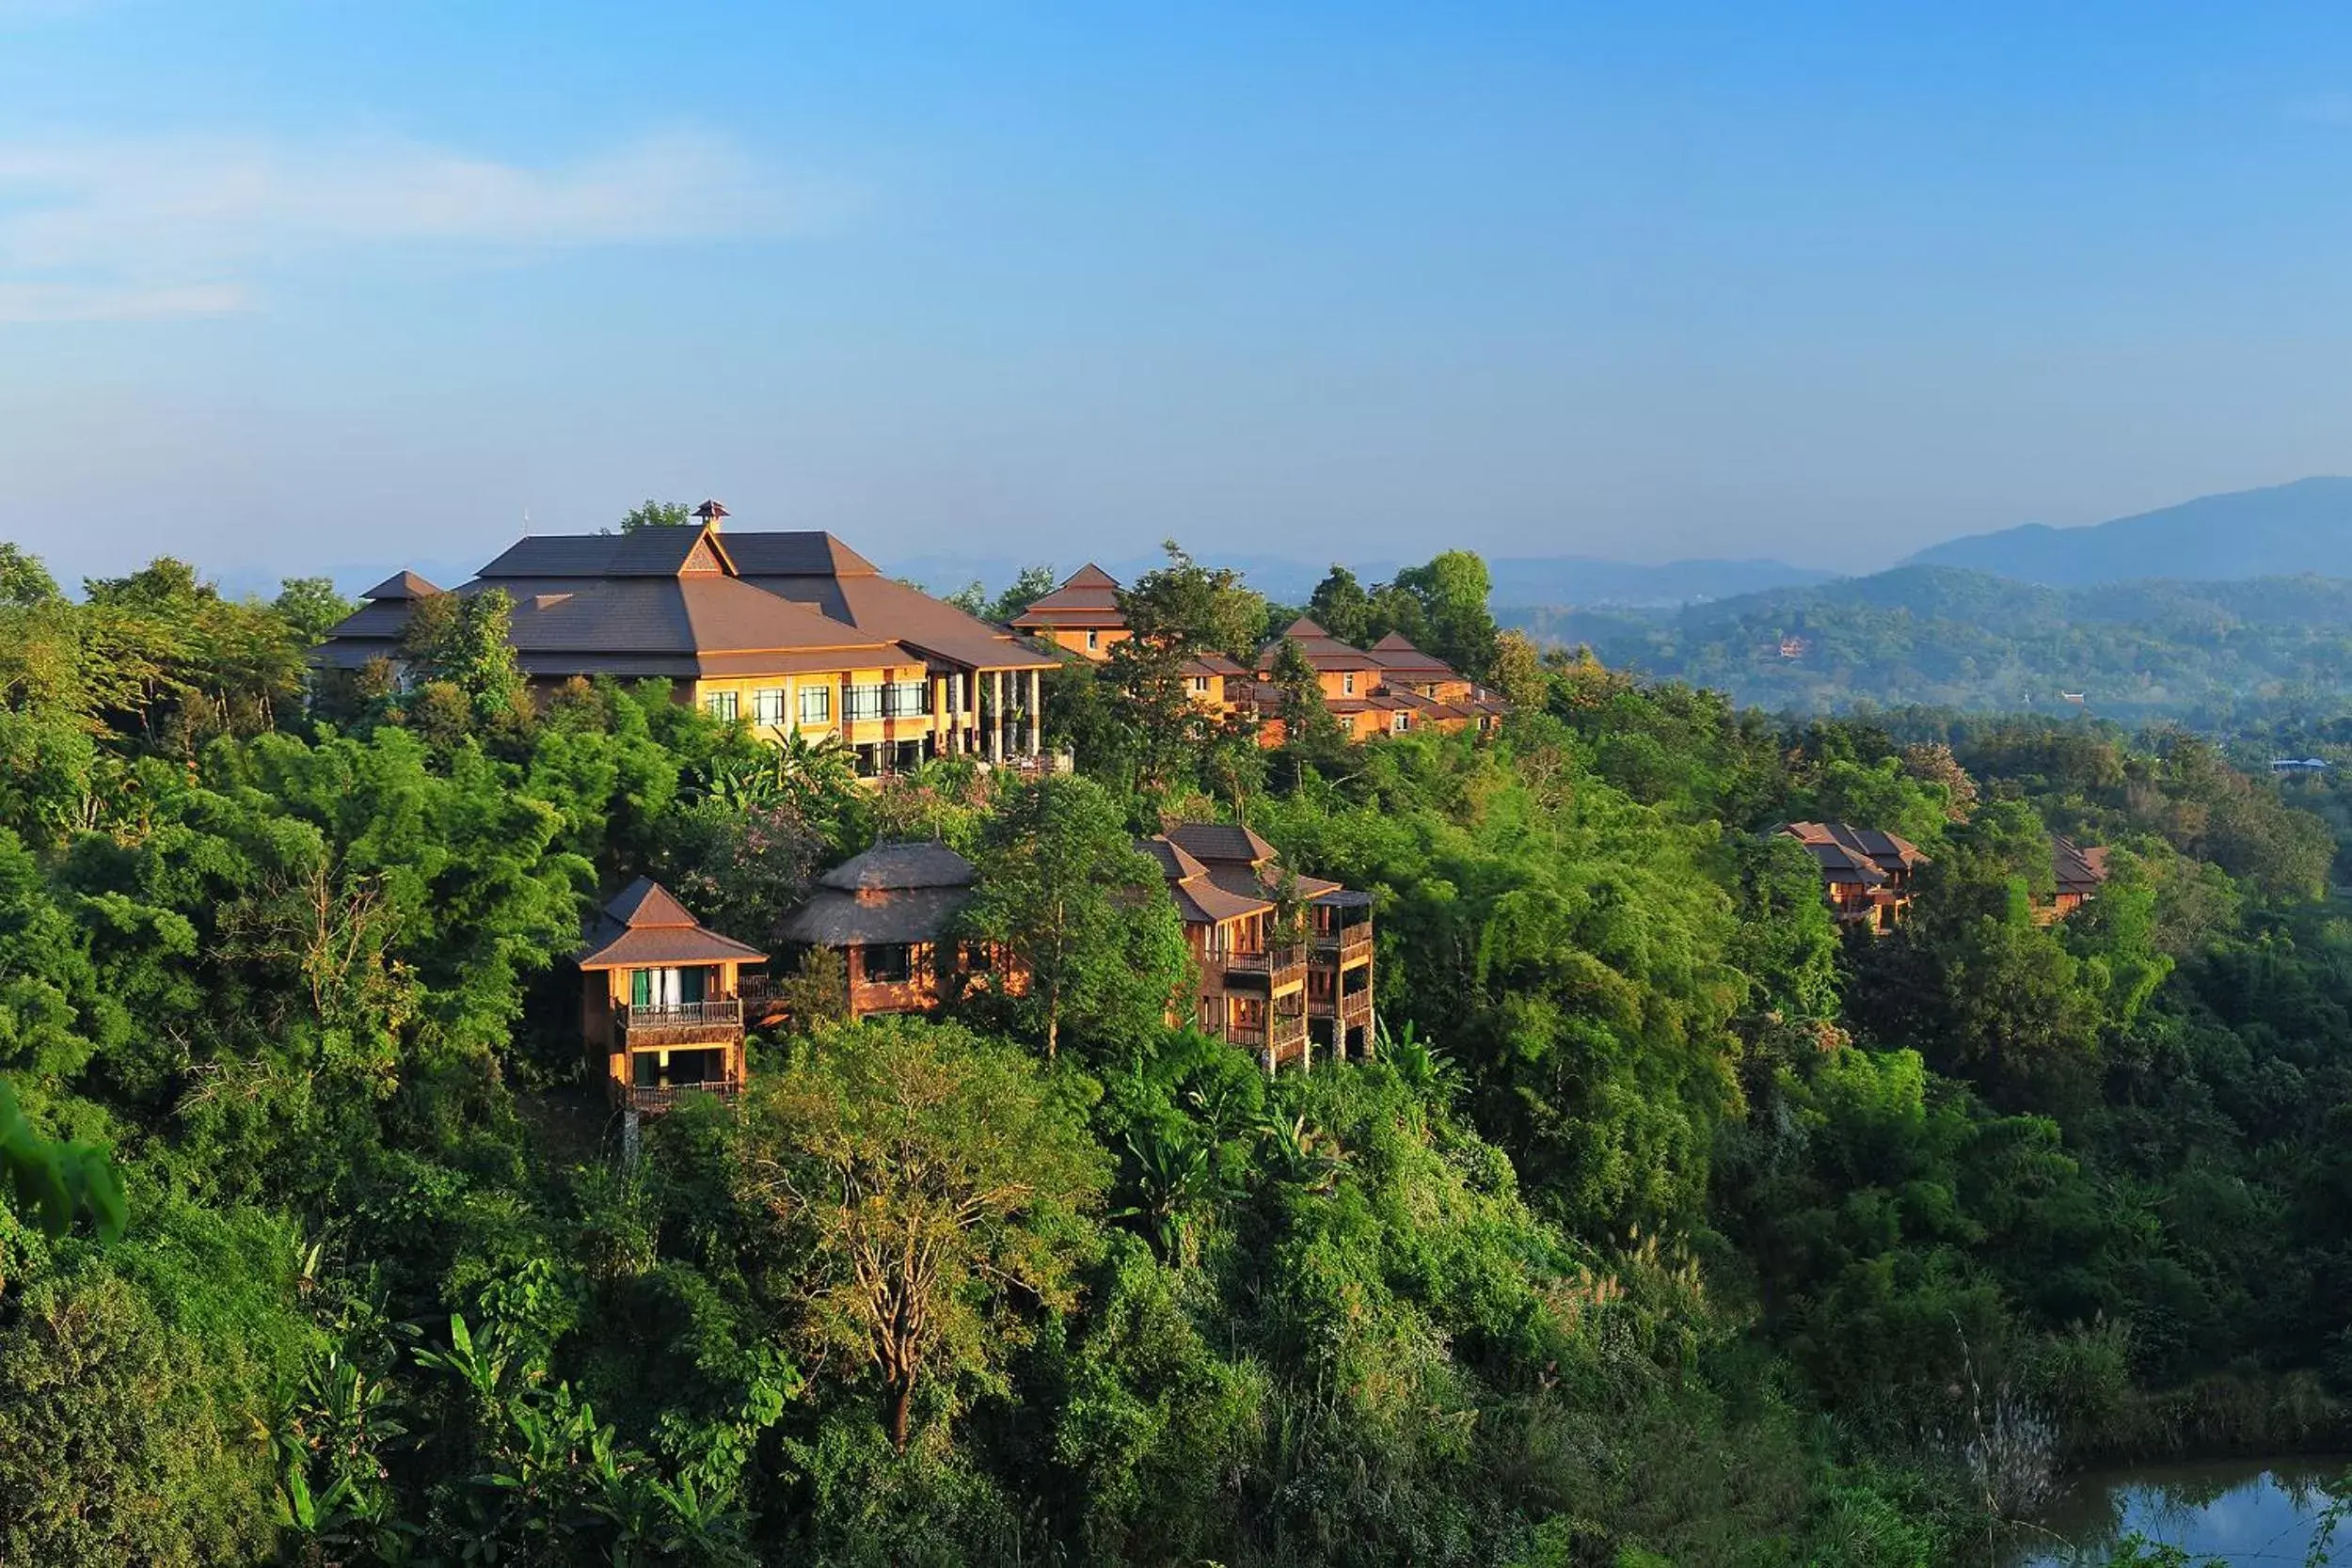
(1343, 945)
(1273, 961)
(717, 1013)
(661, 1096)
(1285, 1030)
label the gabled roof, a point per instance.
(1200, 899)
(1215, 842)
(698, 623)
(1396, 654)
(661, 551)
(2079, 870)
(819, 571)
(1846, 853)
(400, 586)
(1322, 650)
(899, 866)
(1088, 597)
(803, 552)
(645, 928)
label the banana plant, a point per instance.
(1176, 1186)
(56, 1182)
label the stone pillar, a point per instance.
(1037, 716)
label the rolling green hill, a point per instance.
(1937, 635)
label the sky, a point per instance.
(290, 287)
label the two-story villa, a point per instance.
(789, 632)
(1083, 618)
(662, 1010)
(1392, 687)
(1276, 991)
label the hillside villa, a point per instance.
(793, 632)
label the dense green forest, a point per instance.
(2204, 652)
(1666, 1227)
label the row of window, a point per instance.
(895, 700)
(767, 706)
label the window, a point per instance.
(1401, 723)
(767, 706)
(721, 705)
(816, 704)
(1347, 684)
(865, 702)
(902, 699)
(1094, 641)
(1200, 686)
(890, 965)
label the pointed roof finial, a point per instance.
(711, 512)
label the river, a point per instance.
(2250, 1514)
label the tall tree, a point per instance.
(654, 514)
(462, 640)
(23, 580)
(936, 1189)
(311, 606)
(1063, 888)
(1342, 607)
(1452, 590)
(1178, 612)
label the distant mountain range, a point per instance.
(2301, 528)
(2285, 530)
(1947, 637)
(1558, 579)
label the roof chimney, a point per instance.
(712, 514)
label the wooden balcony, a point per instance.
(1279, 967)
(1284, 1033)
(1346, 945)
(654, 1099)
(1353, 1008)
(716, 1020)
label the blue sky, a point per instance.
(291, 286)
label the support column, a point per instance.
(996, 716)
(939, 714)
(1037, 716)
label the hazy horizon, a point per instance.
(287, 289)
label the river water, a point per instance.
(2248, 1514)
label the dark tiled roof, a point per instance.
(1855, 854)
(2079, 870)
(1214, 664)
(1213, 842)
(1088, 597)
(834, 918)
(895, 867)
(1200, 900)
(803, 553)
(400, 586)
(819, 571)
(1174, 863)
(1322, 650)
(694, 617)
(1396, 655)
(646, 902)
(645, 928)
